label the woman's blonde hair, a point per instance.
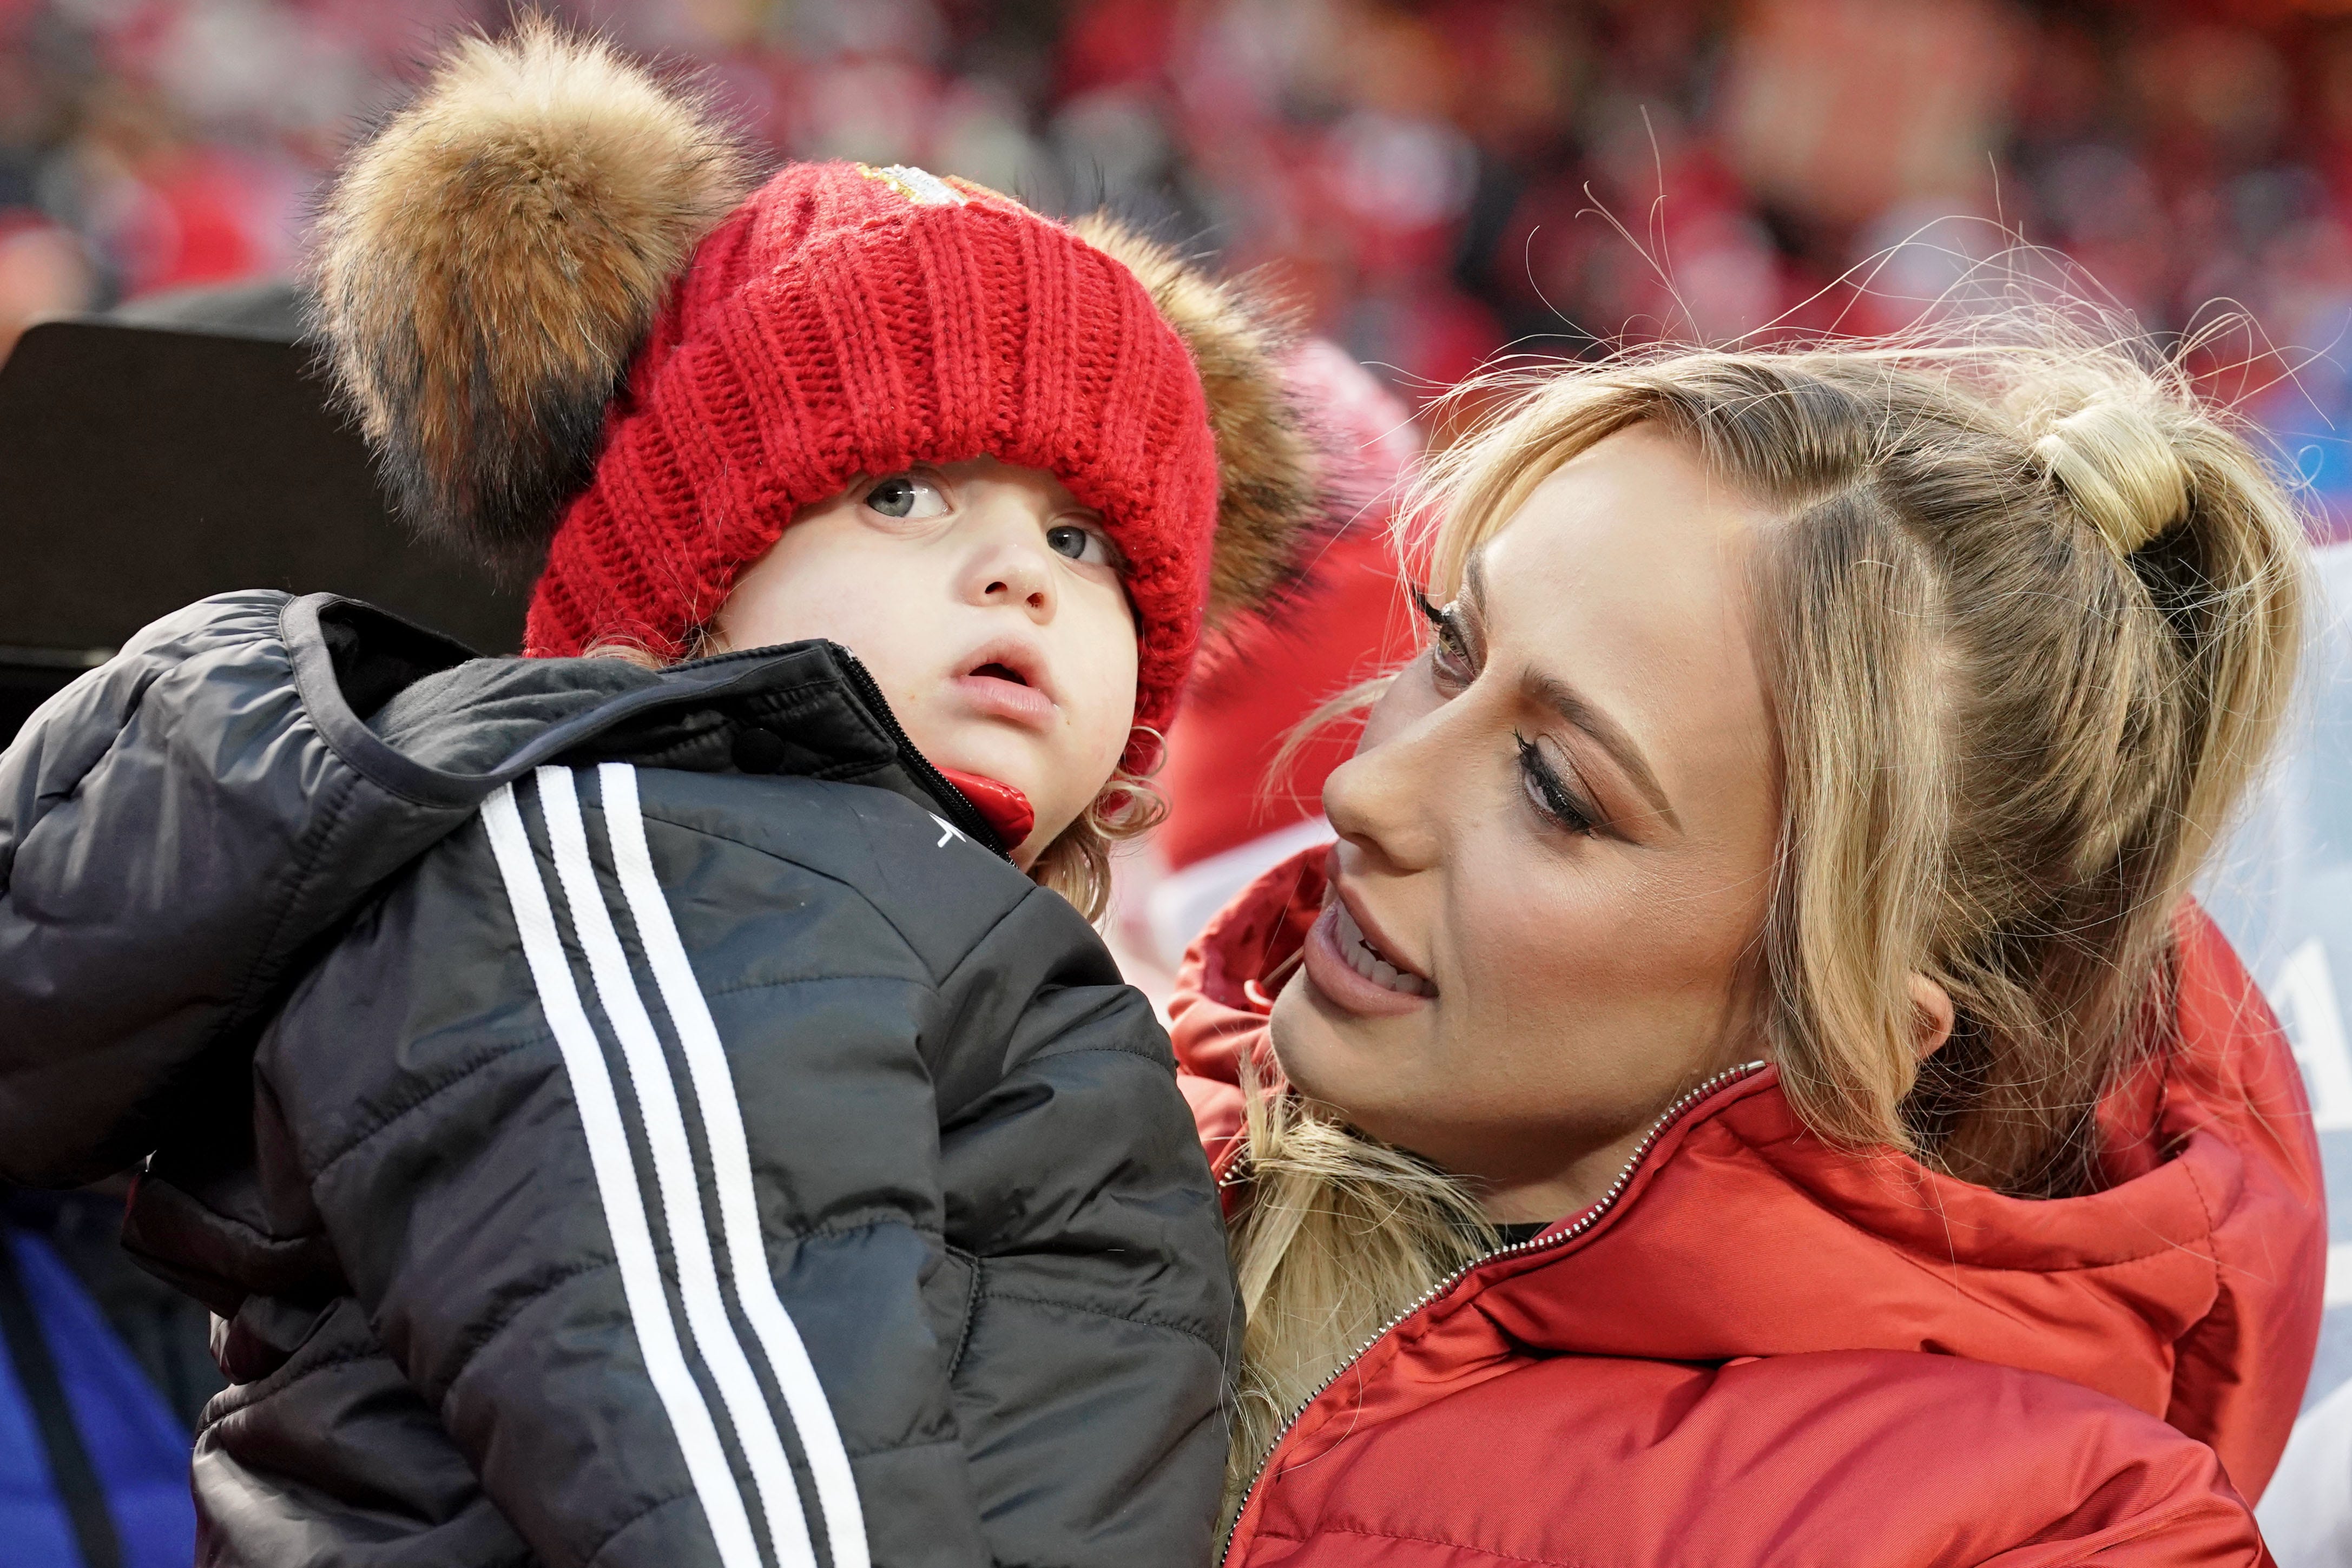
(2029, 620)
(1076, 864)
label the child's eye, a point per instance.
(1079, 543)
(905, 496)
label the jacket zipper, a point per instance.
(960, 811)
(1576, 1227)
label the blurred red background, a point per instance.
(1434, 182)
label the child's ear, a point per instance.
(1076, 864)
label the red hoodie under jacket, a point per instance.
(1759, 1350)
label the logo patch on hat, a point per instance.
(920, 187)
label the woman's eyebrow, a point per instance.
(1563, 700)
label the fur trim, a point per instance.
(1268, 503)
(490, 262)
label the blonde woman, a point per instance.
(1749, 1084)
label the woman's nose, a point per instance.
(1388, 802)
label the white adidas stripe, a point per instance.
(690, 1238)
(616, 1186)
(722, 1129)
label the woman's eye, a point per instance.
(1449, 655)
(905, 496)
(1079, 544)
(1548, 793)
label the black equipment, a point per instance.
(143, 467)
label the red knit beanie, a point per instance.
(575, 343)
(846, 320)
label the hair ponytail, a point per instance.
(2118, 468)
(2231, 585)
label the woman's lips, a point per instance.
(1352, 977)
(1000, 699)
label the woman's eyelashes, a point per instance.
(1550, 792)
(1453, 664)
(1449, 656)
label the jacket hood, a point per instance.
(179, 828)
(2189, 1287)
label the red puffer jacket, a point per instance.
(1757, 1350)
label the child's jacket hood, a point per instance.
(2189, 1289)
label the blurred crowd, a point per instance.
(1435, 181)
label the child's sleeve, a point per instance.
(1090, 1383)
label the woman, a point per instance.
(1748, 1084)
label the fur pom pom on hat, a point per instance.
(572, 340)
(490, 260)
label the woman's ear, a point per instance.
(1932, 1012)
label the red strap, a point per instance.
(1004, 808)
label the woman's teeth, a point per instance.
(1371, 965)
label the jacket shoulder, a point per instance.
(174, 827)
(939, 892)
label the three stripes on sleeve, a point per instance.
(683, 1191)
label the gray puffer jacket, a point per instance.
(618, 1117)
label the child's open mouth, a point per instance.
(1007, 682)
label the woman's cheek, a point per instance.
(1532, 961)
(1505, 909)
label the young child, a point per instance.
(635, 1110)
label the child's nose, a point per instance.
(1021, 582)
(1013, 568)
